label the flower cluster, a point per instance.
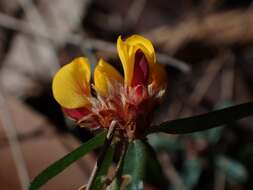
(129, 100)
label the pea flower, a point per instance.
(129, 100)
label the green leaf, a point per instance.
(246, 156)
(64, 162)
(154, 174)
(102, 172)
(205, 121)
(115, 185)
(233, 169)
(212, 136)
(191, 172)
(140, 164)
(134, 164)
(165, 142)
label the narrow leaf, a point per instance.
(102, 172)
(67, 160)
(192, 169)
(205, 121)
(164, 142)
(134, 164)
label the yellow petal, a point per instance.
(71, 84)
(128, 65)
(103, 73)
(144, 44)
(127, 50)
(158, 76)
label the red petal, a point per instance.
(140, 75)
(77, 113)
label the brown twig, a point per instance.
(227, 82)
(88, 43)
(205, 81)
(219, 180)
(134, 13)
(219, 29)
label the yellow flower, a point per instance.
(124, 99)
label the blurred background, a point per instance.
(206, 46)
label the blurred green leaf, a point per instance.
(224, 104)
(115, 185)
(233, 169)
(153, 173)
(205, 121)
(135, 163)
(102, 172)
(246, 155)
(67, 160)
(164, 142)
(191, 172)
(212, 136)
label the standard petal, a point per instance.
(144, 44)
(71, 84)
(103, 74)
(128, 65)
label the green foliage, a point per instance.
(232, 169)
(140, 161)
(154, 173)
(205, 121)
(191, 171)
(134, 164)
(102, 172)
(192, 167)
(161, 142)
(115, 184)
(210, 135)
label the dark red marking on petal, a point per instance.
(77, 113)
(140, 74)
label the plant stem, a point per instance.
(118, 169)
(107, 144)
(122, 156)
